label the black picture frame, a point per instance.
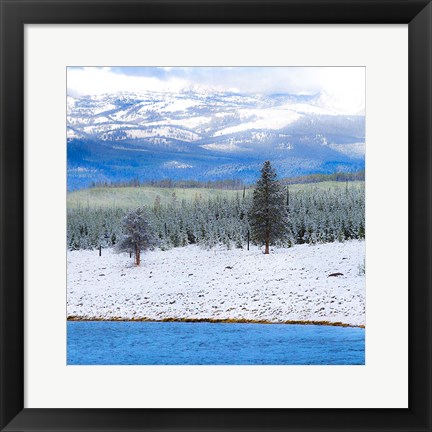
(14, 15)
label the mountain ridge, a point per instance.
(207, 136)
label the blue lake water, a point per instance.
(176, 343)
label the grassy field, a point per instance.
(131, 197)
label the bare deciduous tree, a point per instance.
(137, 234)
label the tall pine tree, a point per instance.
(268, 215)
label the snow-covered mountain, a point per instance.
(203, 134)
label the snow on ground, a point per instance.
(289, 284)
(267, 118)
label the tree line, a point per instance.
(317, 178)
(228, 184)
(271, 215)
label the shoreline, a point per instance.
(217, 321)
(291, 286)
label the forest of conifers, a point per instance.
(315, 215)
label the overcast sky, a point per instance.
(346, 84)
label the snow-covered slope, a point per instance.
(209, 129)
(191, 283)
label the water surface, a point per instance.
(179, 343)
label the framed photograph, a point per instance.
(215, 216)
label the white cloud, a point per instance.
(343, 88)
(96, 81)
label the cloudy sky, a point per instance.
(344, 84)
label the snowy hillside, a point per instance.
(191, 283)
(208, 134)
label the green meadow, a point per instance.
(132, 197)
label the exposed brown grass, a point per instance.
(216, 320)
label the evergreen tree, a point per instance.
(268, 215)
(316, 214)
(137, 234)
